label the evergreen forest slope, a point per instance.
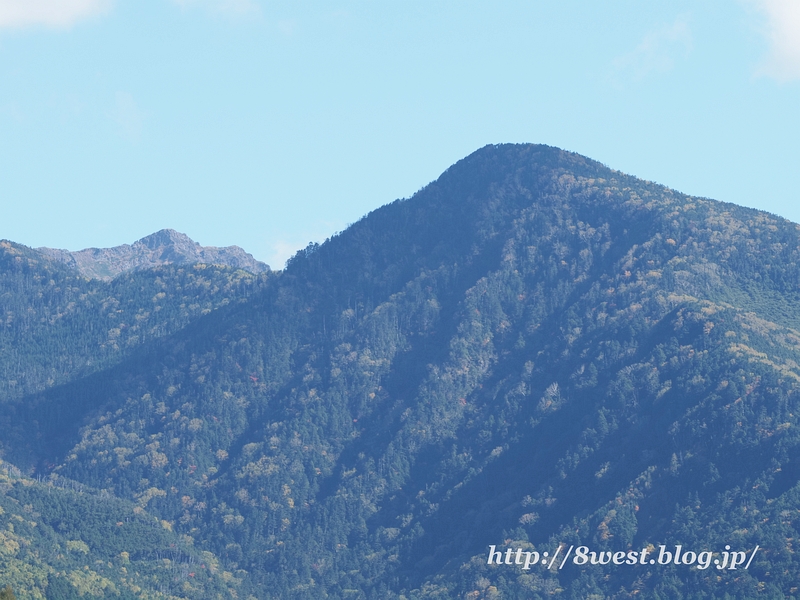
(534, 349)
(58, 325)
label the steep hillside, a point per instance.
(62, 541)
(533, 350)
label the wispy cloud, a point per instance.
(234, 8)
(64, 13)
(279, 251)
(50, 13)
(287, 27)
(782, 30)
(127, 116)
(656, 53)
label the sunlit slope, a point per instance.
(60, 540)
(532, 349)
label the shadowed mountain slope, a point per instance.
(56, 325)
(533, 350)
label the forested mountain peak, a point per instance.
(533, 350)
(164, 247)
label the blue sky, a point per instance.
(270, 124)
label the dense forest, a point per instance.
(532, 351)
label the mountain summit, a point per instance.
(163, 247)
(535, 355)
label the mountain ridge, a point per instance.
(163, 247)
(532, 350)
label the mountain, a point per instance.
(165, 247)
(533, 350)
(58, 325)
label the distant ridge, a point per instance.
(161, 248)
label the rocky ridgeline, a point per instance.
(161, 248)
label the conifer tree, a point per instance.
(7, 593)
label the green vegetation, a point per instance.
(56, 325)
(7, 593)
(60, 539)
(533, 349)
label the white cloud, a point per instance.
(51, 13)
(657, 51)
(279, 251)
(64, 13)
(225, 7)
(782, 30)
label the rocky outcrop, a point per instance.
(161, 248)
